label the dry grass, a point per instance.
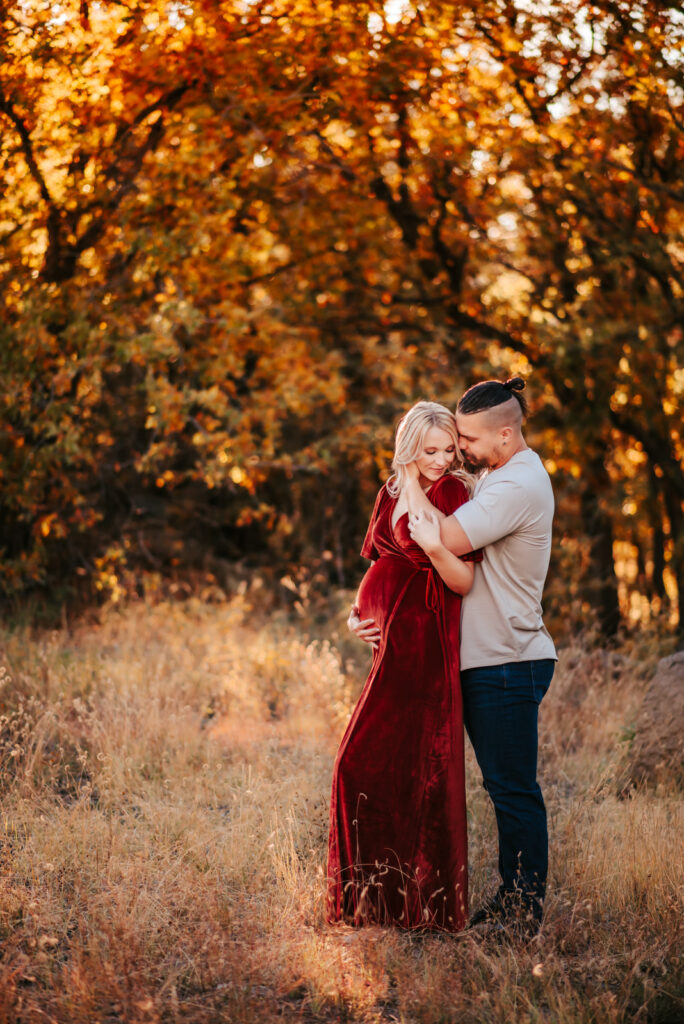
(165, 780)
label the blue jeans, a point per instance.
(500, 708)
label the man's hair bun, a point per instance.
(490, 393)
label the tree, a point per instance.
(241, 237)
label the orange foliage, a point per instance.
(239, 238)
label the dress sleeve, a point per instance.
(449, 496)
(368, 549)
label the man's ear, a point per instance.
(506, 434)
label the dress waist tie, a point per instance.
(434, 600)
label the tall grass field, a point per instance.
(165, 779)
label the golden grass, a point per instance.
(165, 781)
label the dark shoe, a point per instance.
(523, 914)
(510, 911)
(491, 911)
(505, 932)
(523, 926)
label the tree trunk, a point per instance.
(601, 589)
(655, 514)
(673, 505)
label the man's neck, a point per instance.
(519, 445)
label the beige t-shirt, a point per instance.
(509, 517)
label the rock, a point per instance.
(657, 751)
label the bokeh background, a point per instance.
(239, 239)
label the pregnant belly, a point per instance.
(381, 587)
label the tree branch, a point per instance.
(54, 216)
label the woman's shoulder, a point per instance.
(449, 490)
(381, 498)
(384, 494)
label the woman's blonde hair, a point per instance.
(410, 438)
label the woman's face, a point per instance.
(439, 451)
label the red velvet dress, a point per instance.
(398, 843)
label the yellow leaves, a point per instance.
(255, 515)
(45, 525)
(233, 381)
(512, 44)
(237, 475)
(676, 381)
(88, 389)
(51, 525)
(212, 399)
(646, 219)
(339, 134)
(635, 455)
(110, 573)
(260, 212)
(61, 381)
(562, 132)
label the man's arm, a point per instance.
(458, 575)
(454, 537)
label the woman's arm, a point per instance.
(425, 530)
(416, 497)
(454, 537)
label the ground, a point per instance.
(165, 786)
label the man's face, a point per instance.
(480, 446)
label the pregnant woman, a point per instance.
(398, 844)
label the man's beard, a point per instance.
(474, 465)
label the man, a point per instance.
(507, 655)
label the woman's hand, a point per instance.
(411, 470)
(365, 629)
(424, 529)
